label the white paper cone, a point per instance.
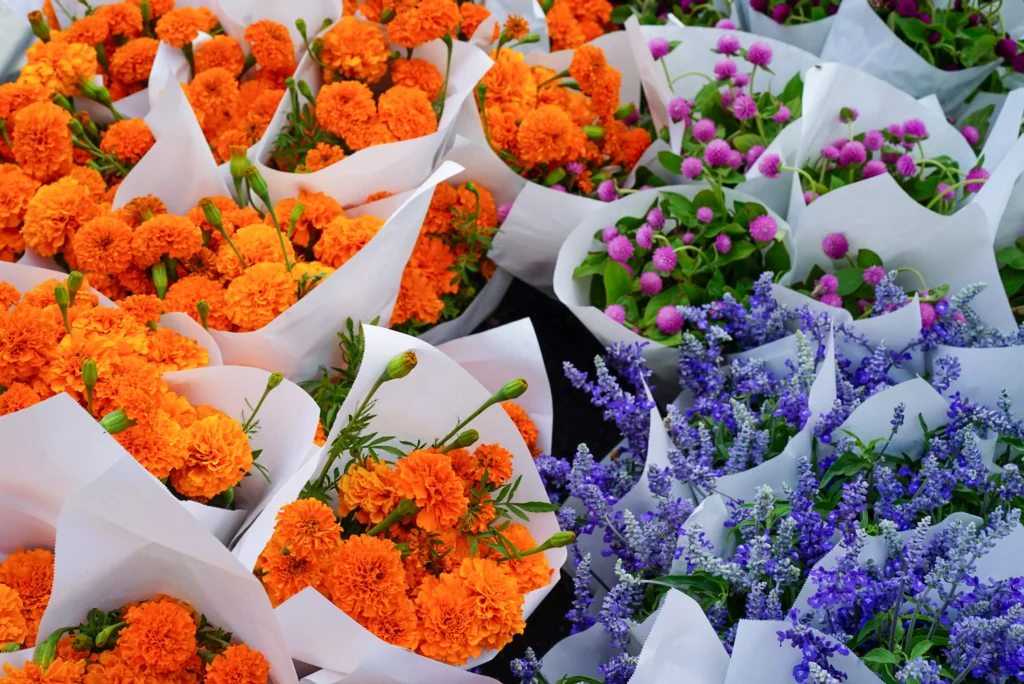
(984, 373)
(240, 14)
(810, 36)
(123, 538)
(387, 664)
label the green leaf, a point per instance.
(915, 29)
(707, 97)
(980, 50)
(866, 259)
(617, 282)
(881, 655)
(677, 205)
(593, 264)
(847, 464)
(920, 648)
(621, 13)
(1013, 256)
(1013, 280)
(669, 160)
(538, 507)
(793, 90)
(835, 182)
(849, 280)
(597, 297)
(980, 119)
(739, 251)
(628, 223)
(716, 286)
(776, 259)
(818, 13)
(744, 142)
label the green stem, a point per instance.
(405, 509)
(953, 188)
(441, 96)
(561, 74)
(910, 269)
(3, 132)
(332, 457)
(691, 73)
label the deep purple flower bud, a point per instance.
(645, 236)
(760, 54)
(890, 157)
(664, 259)
(606, 191)
(558, 187)
(717, 153)
(810, 196)
(782, 116)
(873, 275)
(727, 97)
(906, 166)
(728, 45)
(754, 153)
(769, 165)
(907, 8)
(934, 37)
(928, 315)
(780, 13)
(873, 140)
(744, 108)
(688, 238)
(759, 5)
(574, 167)
(835, 246)
(942, 307)
(896, 130)
(853, 153)
(978, 174)
(1018, 64)
(832, 9)
(970, 134)
(608, 233)
(975, 19)
(678, 108)
(705, 214)
(830, 152)
(704, 130)
(735, 159)
(620, 248)
(691, 167)
(872, 168)
(616, 312)
(943, 189)
(924, 18)
(764, 228)
(650, 283)
(723, 243)
(724, 69)
(659, 47)
(1006, 48)
(669, 320)
(849, 116)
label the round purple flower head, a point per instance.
(735, 159)
(971, 135)
(760, 54)
(704, 130)
(978, 174)
(828, 283)
(839, 143)
(608, 233)
(915, 128)
(678, 108)
(705, 215)
(503, 211)
(669, 320)
(650, 283)
(1006, 48)
(727, 97)
(606, 190)
(664, 259)
(832, 299)
(896, 130)
(659, 47)
(830, 152)
(620, 248)
(769, 165)
(763, 228)
(1018, 64)
(873, 140)
(835, 246)
(906, 166)
(724, 69)
(907, 8)
(853, 153)
(558, 187)
(691, 167)
(741, 79)
(723, 243)
(754, 153)
(726, 24)
(574, 167)
(717, 153)
(616, 312)
(744, 107)
(645, 236)
(872, 168)
(688, 238)
(780, 13)
(810, 196)
(928, 315)
(873, 275)
(728, 45)
(944, 190)
(655, 218)
(782, 116)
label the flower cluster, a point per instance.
(571, 136)
(26, 580)
(162, 638)
(571, 23)
(796, 12)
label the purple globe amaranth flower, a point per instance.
(725, 24)
(934, 37)
(741, 79)
(760, 54)
(832, 299)
(759, 5)
(678, 108)
(664, 259)
(853, 153)
(606, 191)
(810, 196)
(1006, 48)
(705, 214)
(890, 157)
(840, 143)
(915, 128)
(907, 8)
(558, 187)
(975, 19)
(835, 246)
(608, 233)
(744, 108)
(1018, 63)
(895, 129)
(723, 243)
(650, 283)
(724, 69)
(727, 97)
(691, 168)
(764, 228)
(659, 47)
(620, 248)
(704, 130)
(645, 236)
(783, 115)
(503, 211)
(688, 238)
(873, 275)
(754, 153)
(574, 167)
(980, 175)
(728, 44)
(632, 118)
(735, 159)
(943, 189)
(669, 320)
(970, 134)
(828, 283)
(924, 18)
(830, 152)
(769, 165)
(717, 153)
(906, 166)
(655, 218)
(928, 315)
(616, 312)
(873, 168)
(873, 141)
(780, 13)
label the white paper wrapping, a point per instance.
(1002, 153)
(810, 36)
(407, 409)
(123, 538)
(984, 373)
(237, 15)
(387, 664)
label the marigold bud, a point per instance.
(625, 111)
(512, 389)
(300, 24)
(203, 307)
(275, 380)
(239, 161)
(60, 294)
(116, 421)
(82, 642)
(306, 92)
(90, 373)
(159, 272)
(258, 184)
(560, 539)
(10, 648)
(400, 366)
(211, 212)
(465, 439)
(594, 132)
(96, 92)
(75, 281)
(39, 26)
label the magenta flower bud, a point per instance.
(606, 191)
(970, 134)
(705, 215)
(724, 69)
(736, 159)
(1006, 48)
(980, 175)
(723, 243)
(503, 211)
(664, 259)
(835, 246)
(704, 130)
(944, 190)
(691, 168)
(645, 236)
(780, 13)
(744, 108)
(650, 283)
(727, 97)
(809, 196)
(782, 116)
(688, 238)
(839, 144)
(678, 108)
(726, 24)
(558, 187)
(769, 165)
(608, 233)
(828, 283)
(873, 140)
(928, 315)
(906, 166)
(760, 54)
(850, 116)
(852, 153)
(896, 130)
(741, 79)
(915, 128)
(754, 153)
(717, 153)
(830, 152)
(959, 317)
(574, 167)
(873, 275)
(669, 320)
(728, 45)
(863, 304)
(873, 168)
(659, 47)
(890, 157)
(832, 299)
(764, 228)
(616, 312)
(655, 218)
(620, 248)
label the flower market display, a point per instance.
(559, 342)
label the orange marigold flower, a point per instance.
(41, 141)
(214, 96)
(133, 384)
(416, 300)
(588, 67)
(407, 112)
(605, 98)
(563, 27)
(472, 16)
(320, 438)
(419, 73)
(503, 129)
(271, 45)
(496, 460)
(429, 20)
(523, 422)
(159, 636)
(238, 665)
(220, 51)
(117, 327)
(132, 62)
(9, 296)
(30, 573)
(345, 109)
(595, 11)
(55, 213)
(66, 652)
(171, 351)
(64, 372)
(262, 110)
(379, 195)
(91, 179)
(12, 620)
(145, 309)
(218, 456)
(141, 209)
(258, 244)
(42, 296)
(516, 27)
(59, 672)
(184, 296)
(285, 574)
(135, 280)
(180, 26)
(320, 157)
(478, 520)
(13, 98)
(482, 204)
(16, 189)
(50, 14)
(123, 19)
(449, 628)
(498, 600)
(429, 480)
(313, 271)
(157, 8)
(104, 245)
(636, 143)
(369, 491)
(12, 244)
(343, 237)
(259, 295)
(510, 85)
(87, 30)
(531, 572)
(366, 576)
(434, 259)
(308, 529)
(355, 49)
(60, 67)
(547, 135)
(398, 626)
(166, 234)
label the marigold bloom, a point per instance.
(144, 308)
(588, 67)
(141, 209)
(419, 73)
(104, 245)
(238, 664)
(259, 295)
(310, 270)
(449, 628)
(343, 237)
(218, 456)
(320, 157)
(9, 296)
(13, 98)
(407, 112)
(472, 15)
(60, 672)
(398, 626)
(416, 300)
(172, 351)
(91, 179)
(563, 27)
(503, 129)
(355, 49)
(16, 190)
(308, 529)
(60, 67)
(215, 99)
(157, 8)
(271, 45)
(12, 621)
(184, 296)
(166, 234)
(157, 444)
(499, 602)
(120, 329)
(434, 259)
(369, 491)
(30, 573)
(132, 62)
(159, 636)
(55, 213)
(531, 572)
(123, 19)
(180, 26)
(258, 244)
(604, 99)
(429, 480)
(64, 371)
(135, 280)
(523, 422)
(438, 220)
(87, 30)
(347, 109)
(516, 27)
(366, 576)
(41, 141)
(429, 20)
(510, 85)
(286, 574)
(42, 296)
(496, 460)
(547, 135)
(128, 140)
(220, 51)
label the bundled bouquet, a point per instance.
(571, 23)
(790, 13)
(719, 14)
(26, 579)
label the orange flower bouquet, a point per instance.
(439, 544)
(26, 579)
